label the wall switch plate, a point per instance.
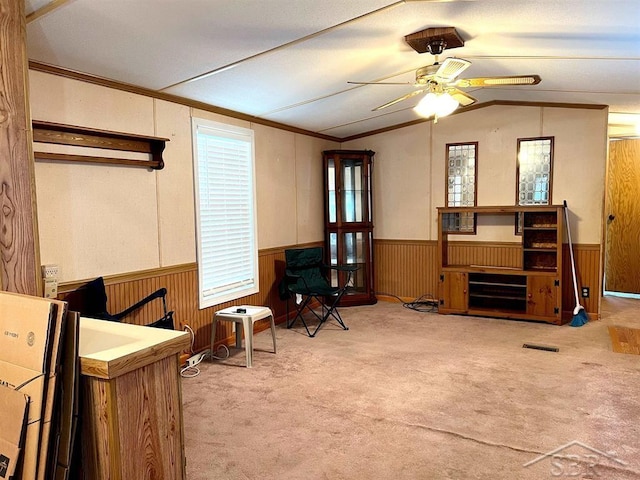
(585, 292)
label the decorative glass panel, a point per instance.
(461, 186)
(535, 170)
(535, 162)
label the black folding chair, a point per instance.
(306, 281)
(91, 301)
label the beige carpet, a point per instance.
(408, 395)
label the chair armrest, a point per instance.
(160, 293)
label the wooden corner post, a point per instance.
(19, 245)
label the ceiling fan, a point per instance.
(440, 81)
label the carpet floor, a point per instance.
(410, 395)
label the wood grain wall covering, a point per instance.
(181, 283)
(588, 275)
(19, 250)
(409, 269)
(406, 268)
(494, 254)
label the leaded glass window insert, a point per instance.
(462, 160)
(535, 162)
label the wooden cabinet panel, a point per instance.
(542, 296)
(454, 292)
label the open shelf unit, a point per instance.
(530, 291)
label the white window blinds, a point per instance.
(225, 212)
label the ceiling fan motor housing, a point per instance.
(434, 40)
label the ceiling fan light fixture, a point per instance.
(436, 105)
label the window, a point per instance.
(462, 167)
(534, 173)
(535, 162)
(225, 211)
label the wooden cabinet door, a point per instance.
(542, 297)
(454, 292)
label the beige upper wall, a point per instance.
(101, 220)
(402, 188)
(104, 220)
(414, 163)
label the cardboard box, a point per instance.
(14, 406)
(27, 334)
(69, 409)
(51, 387)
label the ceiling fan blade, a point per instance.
(400, 99)
(380, 83)
(463, 99)
(451, 68)
(498, 81)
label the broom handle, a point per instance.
(573, 265)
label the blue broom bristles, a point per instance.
(580, 318)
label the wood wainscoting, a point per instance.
(181, 282)
(409, 269)
(404, 268)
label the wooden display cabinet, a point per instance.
(349, 221)
(530, 290)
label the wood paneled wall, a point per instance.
(404, 268)
(181, 283)
(588, 275)
(410, 269)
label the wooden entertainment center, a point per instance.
(527, 289)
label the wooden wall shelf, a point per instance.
(56, 133)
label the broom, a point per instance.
(580, 316)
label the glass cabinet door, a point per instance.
(353, 193)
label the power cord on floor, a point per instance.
(191, 369)
(425, 303)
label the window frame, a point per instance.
(219, 294)
(475, 186)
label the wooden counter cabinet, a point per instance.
(132, 401)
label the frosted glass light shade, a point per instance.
(438, 105)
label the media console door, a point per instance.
(454, 292)
(542, 297)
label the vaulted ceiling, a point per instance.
(289, 61)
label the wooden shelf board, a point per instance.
(498, 284)
(500, 297)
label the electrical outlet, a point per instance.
(49, 271)
(585, 292)
(50, 288)
(233, 327)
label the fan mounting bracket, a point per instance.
(434, 40)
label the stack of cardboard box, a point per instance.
(32, 345)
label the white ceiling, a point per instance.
(289, 61)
